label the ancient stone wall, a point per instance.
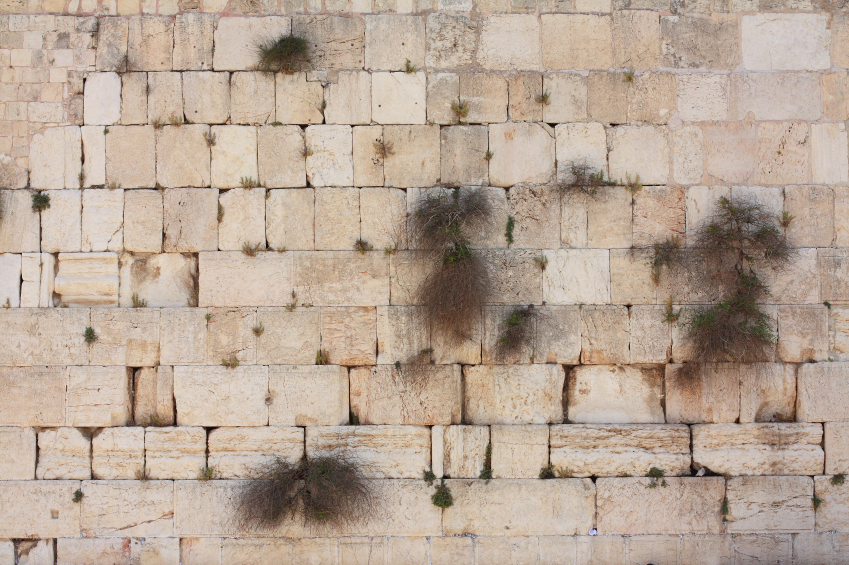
(165, 314)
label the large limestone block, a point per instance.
(143, 227)
(799, 281)
(235, 38)
(789, 42)
(391, 40)
(486, 96)
(415, 158)
(193, 34)
(331, 162)
(252, 98)
(164, 280)
(835, 88)
(580, 144)
(308, 395)
(112, 35)
(234, 155)
(164, 98)
(783, 153)
(577, 276)
(450, 40)
(767, 392)
(349, 99)
(659, 213)
(652, 98)
(822, 393)
(336, 42)
(832, 514)
(87, 279)
(607, 97)
(838, 333)
(348, 335)
(464, 451)
(688, 155)
(337, 218)
(385, 452)
(731, 151)
(102, 99)
(153, 396)
(522, 90)
(614, 394)
(368, 164)
(298, 100)
(33, 396)
(519, 452)
(236, 453)
(10, 280)
(759, 449)
(256, 550)
(44, 337)
(206, 97)
(130, 156)
(244, 219)
(117, 551)
(126, 508)
(536, 213)
(555, 336)
(150, 43)
(428, 395)
(651, 339)
(190, 220)
(17, 454)
(234, 279)
(35, 552)
(829, 153)
(229, 333)
(443, 90)
(117, 453)
(770, 504)
(639, 150)
(702, 97)
(39, 509)
(836, 444)
(601, 221)
(710, 393)
(55, 159)
(20, 228)
(288, 336)
(636, 39)
(590, 44)
(61, 224)
(64, 453)
(694, 42)
(509, 42)
(182, 156)
(280, 156)
(523, 152)
(802, 333)
(832, 269)
(98, 396)
(174, 453)
(341, 278)
(125, 337)
(776, 96)
(383, 217)
(605, 335)
(516, 507)
(102, 220)
(513, 394)
(463, 155)
(398, 98)
(401, 334)
(586, 450)
(678, 505)
(205, 396)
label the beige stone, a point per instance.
(143, 228)
(802, 333)
(348, 335)
(464, 451)
(577, 276)
(342, 278)
(831, 514)
(289, 219)
(486, 97)
(651, 338)
(39, 509)
(235, 279)
(614, 394)
(235, 37)
(567, 100)
(688, 155)
(64, 453)
(536, 214)
(112, 35)
(117, 453)
(102, 99)
(463, 155)
(44, 337)
(203, 396)
(413, 162)
(125, 337)
(693, 42)
(651, 98)
(234, 155)
(783, 153)
(813, 210)
(55, 158)
(31, 552)
(252, 98)
(770, 504)
(174, 453)
(659, 214)
(20, 228)
(193, 34)
(391, 40)
(838, 333)
(18, 448)
(190, 220)
(230, 334)
(515, 507)
(767, 41)
(150, 43)
(767, 392)
(836, 443)
(153, 396)
(337, 213)
(280, 156)
(239, 452)
(522, 90)
(61, 223)
(349, 99)
(731, 151)
(509, 42)
(799, 281)
(513, 394)
(303, 395)
(605, 335)
(829, 153)
(450, 40)
(398, 98)
(821, 392)
(368, 163)
(580, 144)
(607, 97)
(702, 97)
(298, 100)
(130, 161)
(832, 269)
(255, 550)
(102, 220)
(331, 160)
(452, 549)
(443, 91)
(402, 334)
(10, 280)
(835, 94)
(337, 42)
(639, 150)
(710, 394)
(636, 39)
(774, 96)
(591, 46)
(98, 396)
(244, 219)
(164, 98)
(383, 217)
(162, 280)
(182, 156)
(519, 452)
(522, 152)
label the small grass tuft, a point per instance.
(724, 509)
(141, 475)
(306, 152)
(633, 185)
(544, 98)
(220, 213)
(390, 250)
(154, 421)
(176, 120)
(40, 201)
(429, 477)
(207, 474)
(258, 330)
(817, 501)
(78, 495)
(517, 331)
(285, 54)
(409, 68)
(322, 357)
(584, 180)
(628, 76)
(442, 498)
(362, 246)
(250, 250)
(542, 262)
(656, 474)
(488, 155)
(89, 335)
(461, 108)
(353, 419)
(208, 317)
(785, 219)
(81, 178)
(486, 473)
(508, 232)
(383, 148)
(113, 186)
(670, 316)
(547, 472)
(211, 138)
(248, 182)
(838, 479)
(138, 302)
(230, 363)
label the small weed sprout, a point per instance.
(544, 98)
(817, 501)
(208, 317)
(827, 304)
(294, 304)
(486, 473)
(547, 472)
(154, 421)
(258, 330)
(322, 357)
(353, 419)
(633, 185)
(383, 148)
(517, 331)
(276, 124)
(89, 335)
(158, 123)
(542, 262)
(785, 219)
(656, 473)
(584, 180)
(210, 138)
(81, 178)
(461, 108)
(838, 479)
(286, 54)
(105, 131)
(488, 155)
(40, 201)
(724, 509)
(248, 182)
(362, 246)
(78, 495)
(670, 316)
(666, 254)
(207, 474)
(508, 232)
(176, 120)
(250, 250)
(220, 213)
(628, 76)
(390, 250)
(409, 68)
(138, 302)
(141, 475)
(306, 152)
(325, 491)
(442, 498)
(113, 186)
(429, 477)
(230, 363)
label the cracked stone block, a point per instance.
(770, 504)
(299, 101)
(126, 336)
(230, 334)
(349, 335)
(130, 156)
(98, 396)
(87, 279)
(182, 156)
(336, 42)
(252, 98)
(204, 397)
(121, 508)
(464, 451)
(153, 396)
(522, 152)
(150, 44)
(237, 453)
(190, 220)
(513, 394)
(519, 452)
(280, 156)
(304, 395)
(174, 452)
(234, 155)
(55, 158)
(64, 453)
(785, 42)
(117, 453)
(94, 155)
(102, 220)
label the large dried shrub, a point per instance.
(285, 54)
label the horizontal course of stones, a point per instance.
(143, 130)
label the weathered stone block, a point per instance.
(443, 91)
(348, 334)
(10, 280)
(20, 228)
(298, 100)
(143, 226)
(767, 392)
(102, 102)
(702, 97)
(773, 96)
(336, 42)
(244, 219)
(153, 396)
(204, 398)
(39, 509)
(337, 278)
(414, 161)
(519, 452)
(800, 281)
(731, 151)
(130, 161)
(303, 395)
(652, 98)
(513, 394)
(829, 153)
(636, 39)
(163, 280)
(770, 504)
(383, 217)
(237, 453)
(174, 453)
(150, 44)
(190, 220)
(61, 224)
(337, 213)
(398, 98)
(615, 394)
(486, 96)
(522, 152)
(193, 49)
(836, 444)
(835, 94)
(464, 451)
(18, 448)
(831, 515)
(368, 161)
(182, 156)
(658, 215)
(522, 90)
(710, 394)
(44, 337)
(515, 507)
(651, 339)
(450, 40)
(280, 156)
(639, 150)
(235, 37)
(580, 144)
(125, 337)
(349, 99)
(164, 98)
(577, 276)
(117, 453)
(783, 153)
(693, 42)
(331, 160)
(102, 220)
(555, 336)
(590, 45)
(234, 155)
(112, 35)
(98, 397)
(229, 335)
(788, 42)
(802, 333)
(688, 146)
(64, 453)
(607, 97)
(234, 279)
(822, 391)
(463, 155)
(567, 97)
(605, 335)
(55, 158)
(252, 98)
(391, 40)
(509, 42)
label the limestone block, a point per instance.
(833, 267)
(836, 447)
(615, 394)
(130, 161)
(639, 150)
(337, 213)
(616, 450)
(605, 335)
(182, 156)
(711, 394)
(194, 551)
(368, 164)
(61, 229)
(658, 214)
(688, 146)
(134, 103)
(576, 276)
(143, 227)
(193, 35)
(341, 278)
(443, 90)
(607, 97)
(652, 98)
(102, 100)
(450, 40)
(513, 394)
(64, 453)
(401, 334)
(463, 155)
(125, 337)
(523, 152)
(244, 219)
(32, 552)
(117, 551)
(767, 392)
(580, 144)
(18, 448)
(838, 333)
(600, 221)
(452, 549)
(298, 101)
(536, 212)
(398, 98)
(102, 220)
(117, 453)
(229, 334)
(235, 279)
(486, 96)
(414, 161)
(304, 395)
(234, 155)
(349, 99)
(731, 151)
(770, 504)
(280, 156)
(428, 395)
(636, 39)
(153, 396)
(590, 46)
(788, 42)
(252, 98)
(39, 509)
(693, 42)
(391, 40)
(348, 334)
(289, 219)
(255, 550)
(555, 337)
(835, 87)
(516, 507)
(87, 279)
(94, 155)
(383, 217)
(235, 37)
(190, 220)
(522, 90)
(331, 161)
(98, 396)
(20, 229)
(164, 280)
(829, 153)
(831, 514)
(519, 452)
(770, 96)
(236, 453)
(568, 97)
(336, 42)
(55, 158)
(206, 97)
(702, 97)
(112, 34)
(814, 547)
(174, 452)
(651, 339)
(386, 452)
(204, 397)
(798, 282)
(684, 505)
(164, 97)
(464, 451)
(10, 280)
(44, 337)
(802, 333)
(150, 43)
(821, 392)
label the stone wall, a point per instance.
(149, 128)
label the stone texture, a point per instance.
(193, 35)
(24, 514)
(651, 340)
(244, 219)
(182, 156)
(331, 161)
(509, 42)
(130, 161)
(614, 394)
(567, 97)
(586, 450)
(590, 45)
(18, 448)
(450, 40)
(831, 514)
(731, 151)
(513, 394)
(61, 223)
(234, 39)
(298, 100)
(64, 453)
(463, 154)
(112, 35)
(280, 156)
(443, 90)
(102, 100)
(693, 42)
(392, 40)
(464, 451)
(20, 228)
(164, 98)
(836, 444)
(522, 152)
(605, 335)
(629, 506)
(398, 98)
(519, 452)
(10, 280)
(702, 97)
(829, 153)
(368, 164)
(802, 333)
(308, 395)
(56, 158)
(252, 98)
(770, 504)
(43, 337)
(174, 453)
(98, 397)
(234, 155)
(577, 276)
(636, 39)
(337, 213)
(787, 42)
(125, 337)
(336, 278)
(651, 98)
(835, 88)
(336, 42)
(153, 396)
(772, 96)
(349, 99)
(413, 162)
(639, 150)
(711, 394)
(117, 453)
(150, 43)
(190, 220)
(607, 97)
(821, 392)
(486, 96)
(580, 144)
(522, 90)
(102, 220)
(237, 453)
(204, 396)
(413, 396)
(143, 226)
(383, 217)
(234, 279)
(767, 392)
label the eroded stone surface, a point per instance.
(240, 452)
(513, 394)
(770, 504)
(614, 394)
(304, 395)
